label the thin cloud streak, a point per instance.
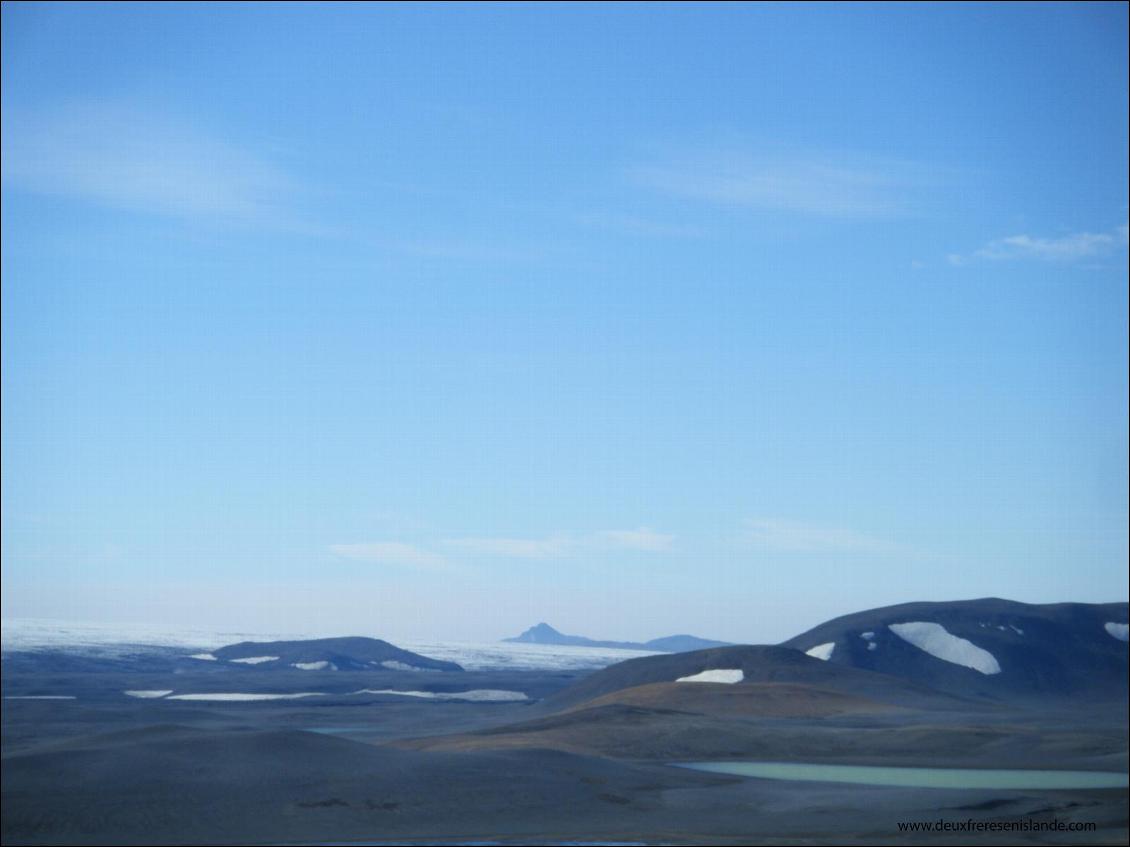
(390, 553)
(642, 539)
(637, 539)
(1066, 248)
(819, 185)
(513, 548)
(129, 159)
(803, 537)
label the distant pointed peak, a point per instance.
(541, 633)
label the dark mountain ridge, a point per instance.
(353, 653)
(988, 647)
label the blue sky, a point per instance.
(438, 321)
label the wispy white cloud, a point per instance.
(390, 553)
(642, 538)
(514, 548)
(130, 158)
(805, 537)
(818, 184)
(134, 158)
(1065, 248)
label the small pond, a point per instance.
(917, 777)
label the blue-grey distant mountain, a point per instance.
(341, 654)
(991, 648)
(682, 644)
(543, 633)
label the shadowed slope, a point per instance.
(163, 784)
(759, 699)
(759, 664)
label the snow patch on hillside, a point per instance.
(1120, 631)
(315, 666)
(393, 665)
(244, 698)
(935, 639)
(149, 694)
(822, 651)
(256, 660)
(722, 675)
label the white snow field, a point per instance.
(106, 640)
(822, 651)
(510, 656)
(933, 638)
(113, 639)
(256, 660)
(723, 675)
(148, 694)
(475, 695)
(1120, 631)
(245, 698)
(315, 666)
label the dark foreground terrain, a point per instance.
(355, 740)
(582, 760)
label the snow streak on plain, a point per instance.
(475, 695)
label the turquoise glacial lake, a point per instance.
(916, 777)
